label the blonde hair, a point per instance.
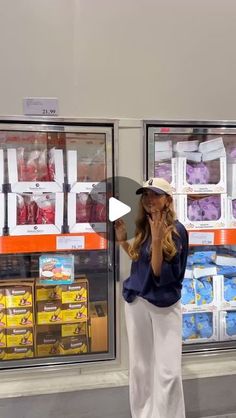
(142, 232)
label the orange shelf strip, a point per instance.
(47, 243)
(221, 236)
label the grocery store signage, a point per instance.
(40, 106)
(70, 243)
(201, 238)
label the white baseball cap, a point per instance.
(157, 185)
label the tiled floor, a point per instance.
(99, 403)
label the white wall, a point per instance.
(120, 58)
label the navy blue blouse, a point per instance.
(163, 290)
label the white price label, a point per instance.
(70, 243)
(201, 238)
(40, 106)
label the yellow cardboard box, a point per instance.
(19, 296)
(73, 312)
(17, 337)
(20, 317)
(3, 340)
(2, 299)
(75, 292)
(48, 345)
(16, 353)
(48, 293)
(71, 330)
(74, 345)
(49, 312)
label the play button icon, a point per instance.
(117, 209)
(108, 200)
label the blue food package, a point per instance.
(230, 320)
(188, 292)
(204, 324)
(204, 290)
(230, 289)
(56, 269)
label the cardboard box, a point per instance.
(35, 229)
(56, 269)
(47, 345)
(72, 330)
(3, 355)
(17, 353)
(48, 293)
(19, 296)
(182, 213)
(74, 345)
(49, 312)
(86, 226)
(199, 327)
(75, 292)
(3, 318)
(20, 317)
(186, 146)
(18, 186)
(99, 326)
(3, 340)
(184, 187)
(73, 312)
(2, 299)
(16, 337)
(227, 319)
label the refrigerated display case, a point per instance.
(199, 160)
(57, 252)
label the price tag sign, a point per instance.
(40, 106)
(201, 238)
(70, 243)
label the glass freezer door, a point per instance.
(199, 160)
(57, 281)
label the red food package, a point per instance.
(51, 165)
(46, 208)
(21, 211)
(32, 211)
(31, 173)
(99, 208)
(43, 169)
(83, 207)
(21, 168)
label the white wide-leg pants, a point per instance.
(155, 350)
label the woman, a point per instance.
(152, 308)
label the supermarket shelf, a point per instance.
(51, 243)
(212, 237)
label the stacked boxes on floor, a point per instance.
(62, 318)
(16, 320)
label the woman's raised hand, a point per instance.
(120, 228)
(157, 222)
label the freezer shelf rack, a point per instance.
(52, 243)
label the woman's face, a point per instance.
(153, 202)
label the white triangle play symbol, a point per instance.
(117, 209)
